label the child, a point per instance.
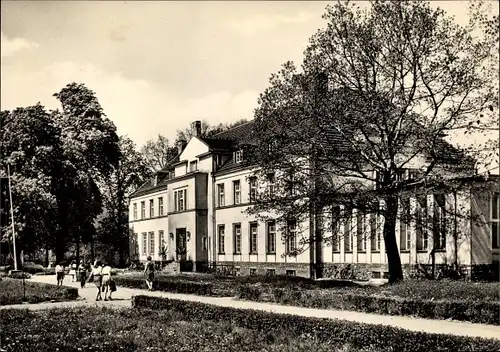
(60, 273)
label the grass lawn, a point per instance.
(11, 292)
(104, 329)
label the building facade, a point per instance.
(195, 211)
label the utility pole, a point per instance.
(12, 219)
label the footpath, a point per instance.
(122, 298)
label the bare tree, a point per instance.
(366, 118)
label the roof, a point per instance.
(241, 134)
(162, 176)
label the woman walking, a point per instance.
(106, 281)
(72, 271)
(97, 278)
(149, 273)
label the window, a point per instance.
(271, 186)
(439, 222)
(238, 156)
(253, 271)
(144, 243)
(421, 223)
(291, 238)
(220, 192)
(193, 166)
(160, 206)
(404, 225)
(237, 192)
(237, 238)
(347, 233)
(291, 184)
(253, 189)
(253, 238)
(336, 229)
(291, 273)
(161, 242)
(152, 243)
(495, 220)
(360, 231)
(143, 210)
(151, 208)
(222, 239)
(135, 211)
(271, 237)
(270, 272)
(374, 233)
(204, 244)
(180, 199)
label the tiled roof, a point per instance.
(241, 134)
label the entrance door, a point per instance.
(180, 244)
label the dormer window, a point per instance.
(238, 156)
(193, 166)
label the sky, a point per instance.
(156, 66)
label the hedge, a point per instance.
(178, 286)
(336, 332)
(12, 292)
(476, 312)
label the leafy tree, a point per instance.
(131, 172)
(366, 117)
(29, 144)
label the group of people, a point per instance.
(100, 275)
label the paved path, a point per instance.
(123, 298)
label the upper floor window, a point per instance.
(180, 200)
(193, 166)
(151, 208)
(220, 195)
(160, 206)
(271, 184)
(143, 210)
(238, 156)
(237, 192)
(135, 211)
(237, 238)
(495, 220)
(253, 188)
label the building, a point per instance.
(194, 211)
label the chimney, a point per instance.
(196, 126)
(181, 144)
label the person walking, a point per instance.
(149, 273)
(106, 281)
(96, 276)
(82, 273)
(60, 273)
(72, 271)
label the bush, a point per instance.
(333, 332)
(164, 284)
(12, 292)
(19, 275)
(476, 312)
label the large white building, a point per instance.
(194, 212)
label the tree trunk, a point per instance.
(391, 246)
(77, 250)
(46, 256)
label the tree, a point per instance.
(29, 141)
(207, 130)
(365, 119)
(91, 152)
(131, 172)
(158, 153)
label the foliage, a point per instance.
(365, 118)
(207, 130)
(106, 329)
(157, 153)
(332, 332)
(11, 292)
(390, 302)
(112, 228)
